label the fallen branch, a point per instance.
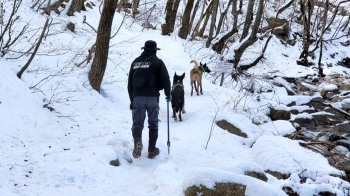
(330, 105)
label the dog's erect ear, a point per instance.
(183, 76)
(175, 73)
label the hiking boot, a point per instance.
(137, 148)
(153, 153)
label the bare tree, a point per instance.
(248, 19)
(306, 13)
(7, 42)
(185, 25)
(324, 21)
(205, 14)
(240, 6)
(195, 9)
(306, 10)
(170, 17)
(223, 15)
(213, 22)
(253, 34)
(2, 11)
(346, 24)
(235, 14)
(36, 3)
(219, 46)
(99, 63)
(253, 37)
(206, 19)
(19, 74)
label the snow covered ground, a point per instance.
(66, 147)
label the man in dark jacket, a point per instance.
(147, 76)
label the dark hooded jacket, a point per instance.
(147, 76)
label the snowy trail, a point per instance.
(67, 151)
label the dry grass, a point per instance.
(335, 157)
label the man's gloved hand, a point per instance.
(131, 106)
(168, 98)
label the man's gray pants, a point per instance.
(141, 105)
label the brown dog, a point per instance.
(196, 76)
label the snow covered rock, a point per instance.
(231, 128)
(280, 112)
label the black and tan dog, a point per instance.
(196, 76)
(178, 96)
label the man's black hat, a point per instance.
(150, 45)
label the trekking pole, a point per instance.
(168, 126)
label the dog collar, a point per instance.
(202, 69)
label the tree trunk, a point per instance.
(10, 20)
(19, 74)
(135, 5)
(240, 7)
(283, 8)
(213, 22)
(76, 6)
(346, 24)
(2, 11)
(222, 16)
(204, 14)
(218, 47)
(185, 26)
(324, 22)
(99, 63)
(261, 56)
(170, 17)
(252, 38)
(235, 14)
(206, 19)
(193, 15)
(306, 33)
(248, 19)
(329, 23)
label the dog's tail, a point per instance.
(195, 62)
(177, 105)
